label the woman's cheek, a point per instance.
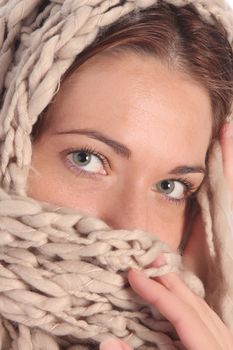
(169, 223)
(53, 182)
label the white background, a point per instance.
(230, 2)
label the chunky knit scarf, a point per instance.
(63, 278)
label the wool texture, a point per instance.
(63, 273)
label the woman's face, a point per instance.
(126, 141)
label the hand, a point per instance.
(197, 238)
(197, 325)
(226, 141)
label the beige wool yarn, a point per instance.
(50, 41)
(63, 278)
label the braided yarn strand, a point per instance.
(51, 36)
(63, 275)
(63, 281)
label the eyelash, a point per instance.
(191, 190)
(90, 150)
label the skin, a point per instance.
(157, 112)
(197, 325)
(144, 100)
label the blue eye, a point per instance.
(86, 161)
(175, 189)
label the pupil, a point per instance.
(166, 185)
(82, 157)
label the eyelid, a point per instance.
(91, 150)
(191, 190)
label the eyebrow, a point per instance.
(125, 152)
(118, 147)
(184, 169)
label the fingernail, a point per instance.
(138, 272)
(110, 344)
(228, 130)
(159, 261)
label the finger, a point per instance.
(114, 344)
(176, 285)
(193, 332)
(226, 141)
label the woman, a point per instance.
(161, 66)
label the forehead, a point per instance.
(130, 95)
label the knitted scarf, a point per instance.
(63, 281)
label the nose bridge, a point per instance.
(128, 208)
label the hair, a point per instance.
(177, 36)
